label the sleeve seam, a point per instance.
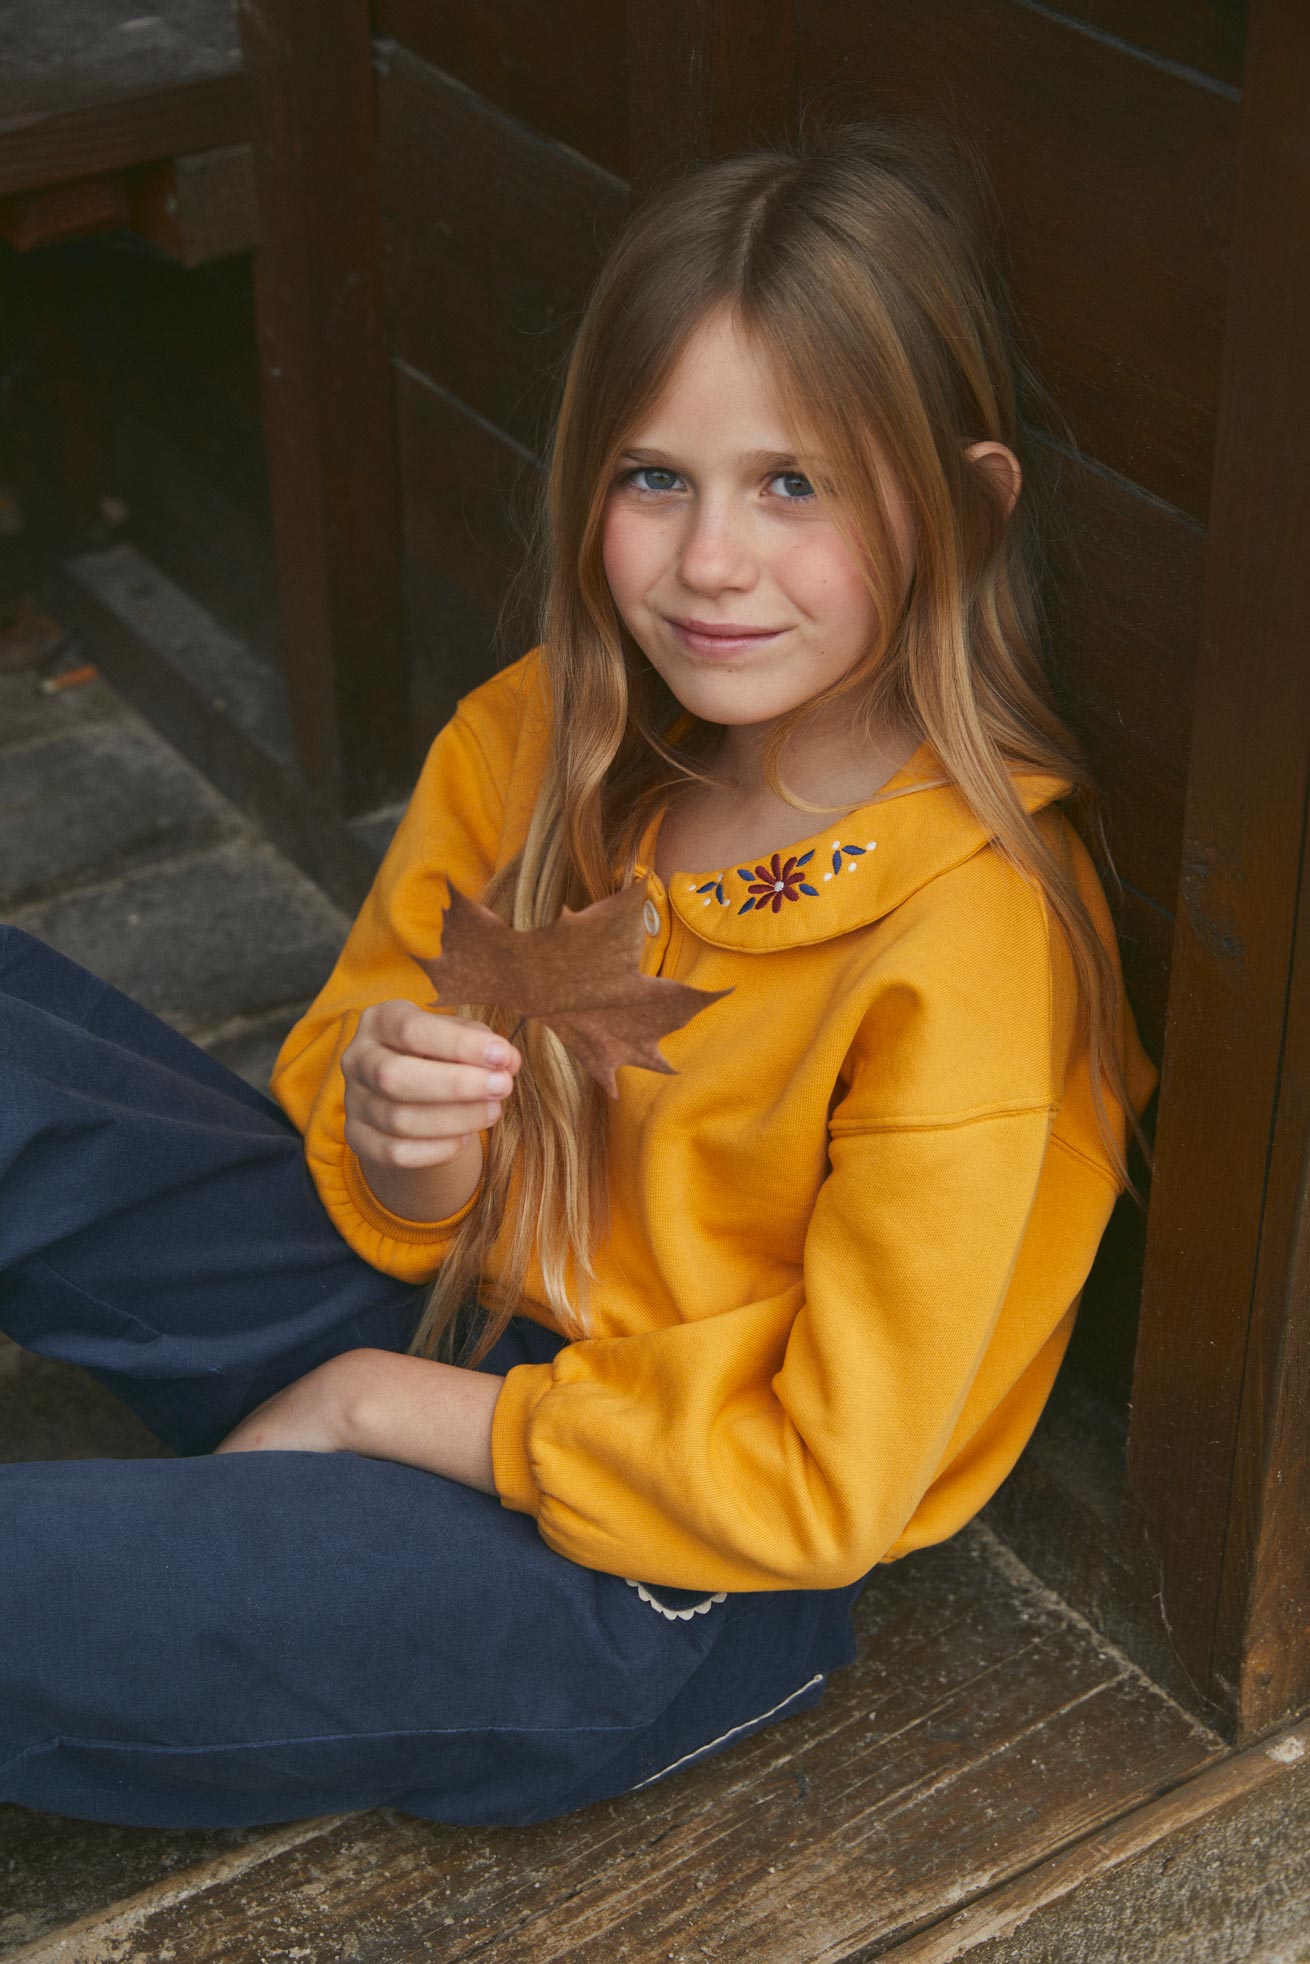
(945, 1121)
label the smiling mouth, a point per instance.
(723, 640)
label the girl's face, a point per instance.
(724, 564)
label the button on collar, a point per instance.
(651, 916)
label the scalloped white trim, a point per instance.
(675, 1615)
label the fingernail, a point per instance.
(496, 1053)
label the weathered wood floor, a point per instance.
(990, 1778)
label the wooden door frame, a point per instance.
(326, 389)
(1219, 1443)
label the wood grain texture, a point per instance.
(1216, 1871)
(169, 120)
(1209, 38)
(562, 71)
(980, 1730)
(467, 491)
(1115, 178)
(64, 211)
(709, 77)
(199, 208)
(492, 237)
(1218, 1448)
(326, 396)
(1125, 588)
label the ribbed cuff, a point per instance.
(511, 1468)
(395, 1226)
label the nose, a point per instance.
(715, 551)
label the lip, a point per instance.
(721, 637)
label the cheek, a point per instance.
(820, 575)
(629, 553)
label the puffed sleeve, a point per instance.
(449, 833)
(785, 1443)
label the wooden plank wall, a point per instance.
(507, 148)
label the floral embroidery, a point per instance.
(769, 886)
(777, 883)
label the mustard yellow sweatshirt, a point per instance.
(849, 1235)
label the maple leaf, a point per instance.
(581, 977)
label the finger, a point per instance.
(424, 1121)
(384, 1150)
(433, 1033)
(407, 1080)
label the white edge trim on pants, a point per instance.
(674, 1615)
(724, 1736)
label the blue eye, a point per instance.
(793, 478)
(649, 470)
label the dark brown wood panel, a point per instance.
(560, 69)
(717, 77)
(198, 208)
(325, 388)
(492, 237)
(1146, 936)
(1126, 593)
(1115, 177)
(125, 131)
(1218, 1447)
(1208, 37)
(467, 492)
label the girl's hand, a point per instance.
(308, 1416)
(419, 1086)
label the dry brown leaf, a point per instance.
(581, 977)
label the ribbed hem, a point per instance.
(511, 1468)
(371, 1210)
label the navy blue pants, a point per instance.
(200, 1641)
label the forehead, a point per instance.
(721, 384)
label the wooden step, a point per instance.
(984, 1728)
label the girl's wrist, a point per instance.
(425, 1194)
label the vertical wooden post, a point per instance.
(1219, 1449)
(707, 77)
(327, 399)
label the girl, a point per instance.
(532, 1444)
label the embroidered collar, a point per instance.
(848, 875)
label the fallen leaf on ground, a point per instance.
(581, 976)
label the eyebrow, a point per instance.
(777, 460)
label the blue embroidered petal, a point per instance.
(857, 851)
(836, 861)
(708, 887)
(745, 873)
(748, 908)
(812, 891)
(718, 893)
(805, 858)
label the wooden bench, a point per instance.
(115, 117)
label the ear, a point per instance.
(1002, 466)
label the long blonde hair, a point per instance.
(863, 262)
